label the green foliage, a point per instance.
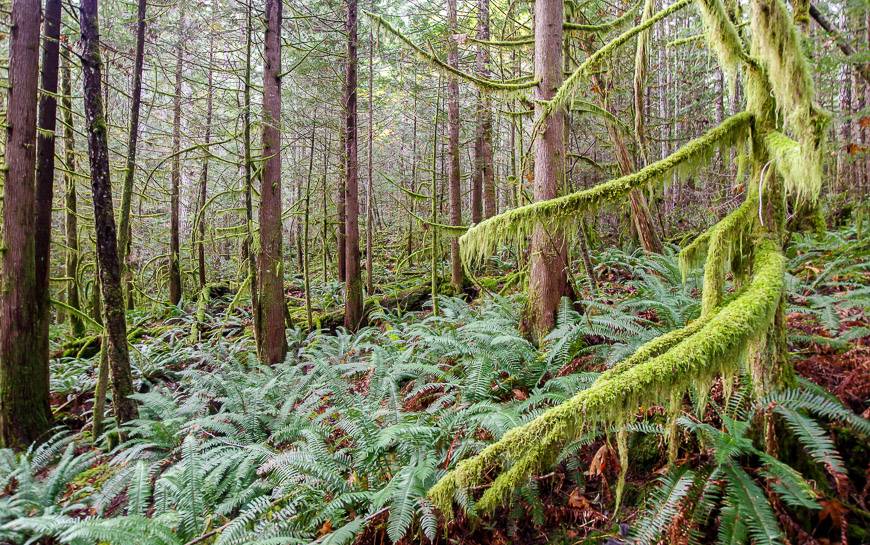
(735, 473)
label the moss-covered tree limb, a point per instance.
(438, 63)
(716, 347)
(565, 212)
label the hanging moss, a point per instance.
(717, 247)
(722, 36)
(564, 213)
(777, 45)
(803, 182)
(719, 345)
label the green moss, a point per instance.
(574, 83)
(717, 346)
(718, 247)
(565, 213)
(619, 22)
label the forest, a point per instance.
(467, 272)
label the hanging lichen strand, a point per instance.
(700, 352)
(719, 341)
(564, 213)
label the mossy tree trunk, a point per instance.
(353, 303)
(114, 317)
(175, 286)
(24, 386)
(548, 280)
(453, 172)
(71, 225)
(45, 145)
(124, 228)
(270, 259)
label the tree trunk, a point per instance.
(353, 303)
(125, 229)
(203, 180)
(548, 280)
(483, 164)
(175, 286)
(370, 223)
(270, 260)
(45, 144)
(104, 217)
(306, 276)
(340, 206)
(71, 223)
(24, 386)
(454, 188)
(249, 204)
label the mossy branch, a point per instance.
(565, 213)
(717, 346)
(605, 26)
(435, 61)
(572, 84)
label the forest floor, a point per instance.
(340, 444)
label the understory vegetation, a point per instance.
(343, 441)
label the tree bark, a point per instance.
(454, 187)
(341, 208)
(353, 303)
(249, 204)
(104, 217)
(483, 162)
(548, 280)
(370, 217)
(24, 386)
(45, 145)
(175, 285)
(125, 229)
(203, 179)
(71, 226)
(270, 259)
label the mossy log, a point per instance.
(88, 346)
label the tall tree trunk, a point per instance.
(411, 201)
(24, 386)
(483, 163)
(270, 260)
(341, 208)
(104, 217)
(175, 286)
(306, 276)
(125, 228)
(548, 280)
(249, 182)
(454, 187)
(45, 144)
(370, 219)
(71, 223)
(353, 304)
(203, 180)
